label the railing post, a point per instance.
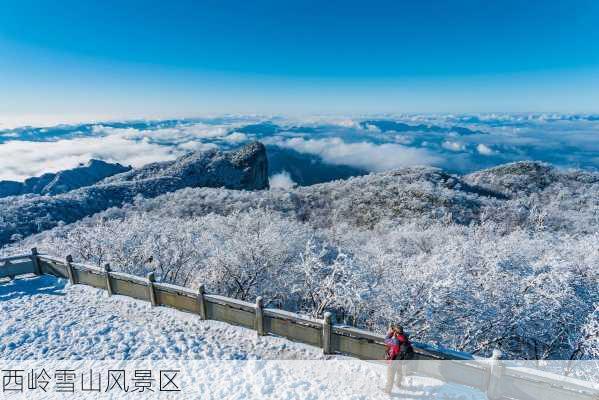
(36, 262)
(326, 333)
(259, 322)
(7, 265)
(495, 372)
(202, 302)
(152, 293)
(70, 272)
(108, 282)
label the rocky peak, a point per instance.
(254, 163)
(244, 169)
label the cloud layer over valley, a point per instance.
(461, 143)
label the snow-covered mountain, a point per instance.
(245, 168)
(501, 258)
(412, 194)
(63, 181)
(525, 178)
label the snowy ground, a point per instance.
(45, 321)
(48, 318)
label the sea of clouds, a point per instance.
(458, 143)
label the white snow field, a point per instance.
(47, 323)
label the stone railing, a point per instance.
(491, 376)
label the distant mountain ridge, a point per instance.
(403, 195)
(409, 194)
(406, 194)
(388, 125)
(63, 181)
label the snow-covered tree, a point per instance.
(504, 259)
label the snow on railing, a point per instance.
(21, 264)
(492, 376)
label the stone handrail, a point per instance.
(489, 375)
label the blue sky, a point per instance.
(107, 59)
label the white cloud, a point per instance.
(236, 137)
(366, 155)
(402, 139)
(345, 122)
(20, 160)
(8, 121)
(373, 128)
(196, 146)
(484, 150)
(176, 134)
(453, 146)
(560, 140)
(282, 180)
(206, 131)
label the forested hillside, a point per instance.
(245, 168)
(503, 258)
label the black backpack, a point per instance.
(406, 351)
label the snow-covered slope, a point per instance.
(407, 194)
(48, 318)
(63, 181)
(461, 262)
(521, 179)
(44, 318)
(245, 168)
